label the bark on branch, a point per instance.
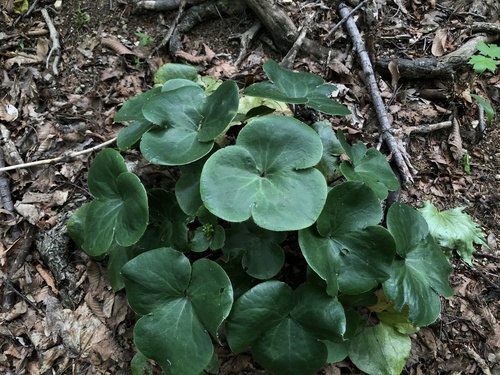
(384, 124)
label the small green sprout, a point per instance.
(145, 39)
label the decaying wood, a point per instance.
(282, 28)
(432, 67)
(384, 124)
(162, 5)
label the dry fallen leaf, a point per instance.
(455, 141)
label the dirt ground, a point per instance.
(63, 317)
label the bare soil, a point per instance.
(63, 317)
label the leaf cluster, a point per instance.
(280, 189)
(487, 58)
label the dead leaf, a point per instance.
(455, 141)
(116, 46)
(394, 70)
(209, 55)
(30, 212)
(47, 277)
(439, 42)
(95, 307)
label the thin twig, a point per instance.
(56, 46)
(171, 30)
(288, 60)
(245, 40)
(60, 158)
(344, 19)
(385, 126)
(480, 125)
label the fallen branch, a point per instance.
(432, 67)
(282, 29)
(245, 40)
(288, 60)
(424, 129)
(173, 26)
(56, 46)
(385, 127)
(67, 157)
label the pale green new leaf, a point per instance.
(454, 229)
(380, 350)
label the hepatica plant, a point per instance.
(270, 238)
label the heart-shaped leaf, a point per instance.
(347, 249)
(132, 134)
(120, 207)
(258, 249)
(132, 108)
(178, 304)
(171, 71)
(423, 270)
(297, 88)
(282, 326)
(332, 149)
(191, 122)
(267, 175)
(368, 166)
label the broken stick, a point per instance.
(56, 46)
(385, 127)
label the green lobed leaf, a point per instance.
(267, 175)
(191, 122)
(258, 249)
(491, 50)
(297, 88)
(482, 63)
(131, 110)
(258, 310)
(368, 166)
(140, 365)
(179, 108)
(422, 272)
(332, 149)
(164, 288)
(380, 350)
(319, 313)
(171, 71)
(347, 250)
(218, 111)
(288, 349)
(120, 208)
(132, 134)
(283, 327)
(453, 229)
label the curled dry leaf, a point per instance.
(455, 141)
(209, 55)
(116, 46)
(94, 275)
(395, 75)
(47, 277)
(95, 307)
(439, 43)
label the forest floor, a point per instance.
(48, 327)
